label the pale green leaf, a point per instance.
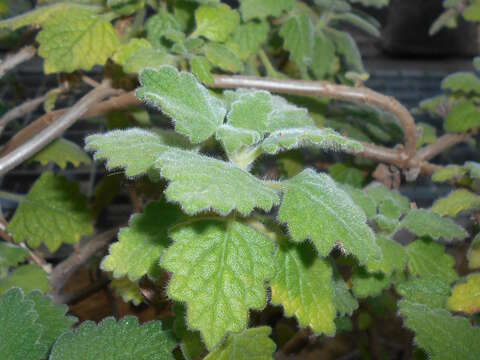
(10, 255)
(74, 40)
(196, 113)
(394, 257)
(222, 57)
(111, 340)
(253, 343)
(250, 111)
(427, 259)
(201, 68)
(128, 290)
(53, 212)
(303, 286)
(219, 270)
(26, 277)
(235, 139)
(465, 296)
(20, 333)
(465, 82)
(141, 244)
(464, 116)
(298, 39)
(425, 223)
(249, 37)
(202, 183)
(62, 152)
(369, 285)
(294, 138)
(473, 254)
(254, 9)
(216, 23)
(431, 291)
(456, 202)
(315, 208)
(440, 334)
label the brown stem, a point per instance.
(13, 60)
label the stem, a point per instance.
(11, 196)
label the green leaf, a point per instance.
(235, 139)
(456, 202)
(53, 212)
(222, 57)
(394, 257)
(216, 23)
(303, 286)
(427, 259)
(440, 334)
(368, 285)
(124, 340)
(431, 291)
(219, 270)
(202, 183)
(26, 277)
(74, 40)
(253, 9)
(135, 150)
(298, 39)
(196, 113)
(20, 333)
(315, 208)
(425, 223)
(249, 37)
(61, 152)
(253, 343)
(346, 174)
(465, 296)
(345, 303)
(141, 244)
(250, 111)
(201, 68)
(464, 116)
(464, 82)
(324, 58)
(449, 173)
(473, 254)
(52, 317)
(325, 139)
(128, 290)
(10, 255)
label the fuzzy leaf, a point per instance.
(464, 116)
(20, 333)
(253, 343)
(325, 139)
(298, 39)
(61, 152)
(315, 208)
(425, 223)
(222, 57)
(202, 183)
(427, 259)
(53, 212)
(249, 37)
(465, 82)
(473, 255)
(141, 244)
(196, 113)
(465, 296)
(440, 334)
(254, 9)
(251, 111)
(368, 285)
(219, 269)
(216, 23)
(394, 257)
(303, 286)
(122, 340)
(10, 255)
(456, 202)
(430, 291)
(74, 40)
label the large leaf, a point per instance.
(456, 202)
(53, 212)
(62, 152)
(202, 183)
(219, 268)
(110, 340)
(298, 39)
(216, 23)
(303, 286)
(315, 208)
(196, 113)
(252, 9)
(141, 244)
(74, 40)
(253, 343)
(465, 296)
(26, 277)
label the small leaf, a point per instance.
(249, 37)
(427, 259)
(325, 139)
(135, 150)
(53, 212)
(425, 223)
(201, 183)
(216, 23)
(465, 82)
(369, 285)
(315, 208)
(20, 333)
(465, 296)
(219, 269)
(122, 340)
(253, 343)
(141, 244)
(298, 39)
(128, 290)
(61, 152)
(10, 255)
(74, 40)
(473, 254)
(456, 202)
(26, 277)
(201, 68)
(253, 9)
(250, 111)
(464, 116)
(431, 291)
(222, 57)
(196, 113)
(440, 334)
(394, 257)
(303, 286)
